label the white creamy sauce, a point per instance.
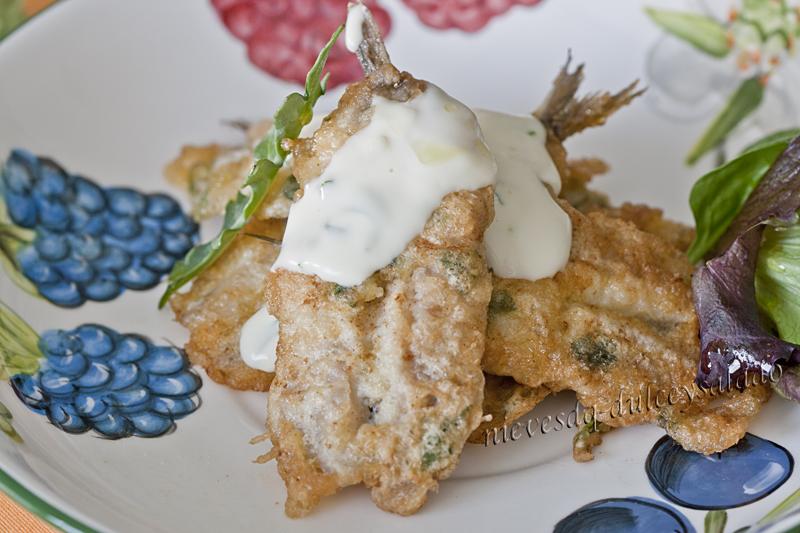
(531, 236)
(258, 338)
(382, 185)
(258, 341)
(353, 28)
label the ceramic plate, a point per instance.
(111, 89)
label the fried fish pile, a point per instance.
(383, 383)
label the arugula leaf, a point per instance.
(718, 196)
(741, 103)
(702, 32)
(296, 111)
(778, 279)
(715, 521)
(19, 345)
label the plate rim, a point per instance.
(17, 491)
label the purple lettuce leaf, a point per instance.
(788, 385)
(734, 341)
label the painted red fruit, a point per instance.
(283, 37)
(466, 15)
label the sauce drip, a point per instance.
(353, 28)
(531, 236)
(258, 341)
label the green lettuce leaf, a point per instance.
(742, 102)
(296, 111)
(717, 197)
(778, 136)
(778, 279)
(700, 31)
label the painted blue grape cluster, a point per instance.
(93, 378)
(91, 243)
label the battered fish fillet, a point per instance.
(221, 300)
(381, 383)
(564, 114)
(617, 325)
(651, 220)
(504, 398)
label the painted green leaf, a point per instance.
(19, 345)
(6, 425)
(742, 103)
(768, 19)
(13, 238)
(791, 503)
(11, 16)
(718, 196)
(702, 32)
(289, 120)
(715, 521)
